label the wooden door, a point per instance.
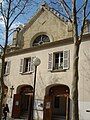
(24, 103)
(47, 108)
(30, 110)
(16, 106)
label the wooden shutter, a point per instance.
(32, 65)
(47, 108)
(50, 61)
(66, 60)
(29, 65)
(8, 67)
(21, 65)
(16, 106)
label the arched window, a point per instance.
(41, 39)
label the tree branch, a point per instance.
(84, 19)
(18, 13)
(12, 32)
(66, 7)
(88, 14)
(1, 46)
(4, 16)
(13, 9)
(81, 7)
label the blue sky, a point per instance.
(26, 17)
(22, 19)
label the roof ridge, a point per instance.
(42, 8)
(54, 11)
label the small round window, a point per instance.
(41, 39)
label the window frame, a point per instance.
(65, 64)
(7, 66)
(26, 67)
(39, 40)
(59, 62)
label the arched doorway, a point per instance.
(56, 102)
(22, 103)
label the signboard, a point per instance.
(47, 105)
(38, 105)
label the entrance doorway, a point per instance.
(22, 103)
(56, 102)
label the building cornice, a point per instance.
(62, 42)
(41, 47)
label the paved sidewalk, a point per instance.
(15, 119)
(9, 118)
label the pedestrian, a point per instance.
(5, 111)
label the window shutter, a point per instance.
(50, 61)
(21, 65)
(32, 65)
(8, 67)
(66, 58)
(29, 65)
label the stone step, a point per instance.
(24, 115)
(56, 117)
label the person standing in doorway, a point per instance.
(5, 111)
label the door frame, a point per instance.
(16, 108)
(53, 90)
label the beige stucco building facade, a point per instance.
(47, 36)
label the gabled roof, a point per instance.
(44, 7)
(55, 12)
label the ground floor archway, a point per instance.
(56, 102)
(22, 103)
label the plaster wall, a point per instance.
(48, 24)
(45, 77)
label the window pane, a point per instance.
(5, 67)
(27, 64)
(58, 60)
(40, 40)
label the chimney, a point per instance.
(15, 36)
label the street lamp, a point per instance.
(1, 1)
(36, 62)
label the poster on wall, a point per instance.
(38, 105)
(47, 105)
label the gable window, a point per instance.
(58, 60)
(26, 65)
(41, 39)
(7, 67)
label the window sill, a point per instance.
(6, 74)
(26, 73)
(59, 70)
